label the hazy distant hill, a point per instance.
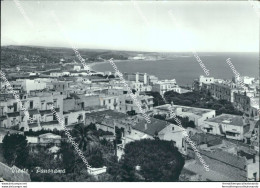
(35, 55)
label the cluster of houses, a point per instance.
(243, 93)
(228, 143)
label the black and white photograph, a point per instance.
(129, 91)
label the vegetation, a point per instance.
(158, 161)
(95, 151)
(184, 120)
(157, 98)
(119, 135)
(201, 100)
(85, 137)
(15, 150)
(131, 113)
(43, 131)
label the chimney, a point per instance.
(145, 126)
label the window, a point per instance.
(172, 128)
(15, 107)
(104, 103)
(31, 104)
(183, 143)
(55, 103)
(66, 120)
(109, 101)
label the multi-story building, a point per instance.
(244, 79)
(163, 130)
(223, 91)
(126, 103)
(197, 115)
(153, 79)
(247, 104)
(111, 102)
(230, 126)
(227, 161)
(197, 84)
(137, 77)
(166, 85)
(38, 104)
(139, 86)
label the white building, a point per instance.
(109, 101)
(163, 86)
(157, 128)
(205, 80)
(231, 126)
(29, 85)
(197, 115)
(76, 68)
(126, 103)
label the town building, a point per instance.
(230, 126)
(109, 101)
(137, 77)
(163, 86)
(197, 84)
(227, 161)
(222, 91)
(126, 103)
(197, 115)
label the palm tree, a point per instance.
(85, 138)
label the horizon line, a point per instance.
(82, 48)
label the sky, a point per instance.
(204, 26)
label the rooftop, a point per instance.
(228, 119)
(11, 131)
(187, 109)
(108, 113)
(156, 125)
(50, 135)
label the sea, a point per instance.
(185, 67)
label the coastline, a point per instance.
(91, 65)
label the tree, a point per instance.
(157, 160)
(85, 138)
(201, 100)
(157, 98)
(111, 76)
(96, 160)
(68, 156)
(15, 150)
(131, 113)
(158, 116)
(118, 135)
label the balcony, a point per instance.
(43, 112)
